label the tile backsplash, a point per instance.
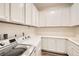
(12, 29)
(57, 31)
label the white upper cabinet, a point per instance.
(28, 13)
(7, 11)
(35, 15)
(65, 16)
(37, 18)
(4, 11)
(75, 14)
(17, 12)
(42, 19)
(55, 17)
(32, 15)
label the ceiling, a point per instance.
(43, 6)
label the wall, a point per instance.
(57, 31)
(12, 29)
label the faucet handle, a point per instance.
(28, 36)
(2, 44)
(15, 35)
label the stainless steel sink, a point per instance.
(17, 50)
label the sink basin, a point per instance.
(17, 50)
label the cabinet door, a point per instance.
(49, 44)
(75, 50)
(45, 43)
(37, 18)
(74, 14)
(60, 45)
(7, 11)
(2, 10)
(53, 17)
(72, 49)
(28, 13)
(52, 44)
(69, 48)
(65, 16)
(42, 19)
(33, 15)
(17, 12)
(38, 49)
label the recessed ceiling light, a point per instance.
(52, 12)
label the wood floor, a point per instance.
(47, 53)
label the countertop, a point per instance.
(75, 40)
(31, 41)
(35, 39)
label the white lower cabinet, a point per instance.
(75, 50)
(38, 49)
(69, 49)
(72, 49)
(53, 44)
(60, 45)
(45, 43)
